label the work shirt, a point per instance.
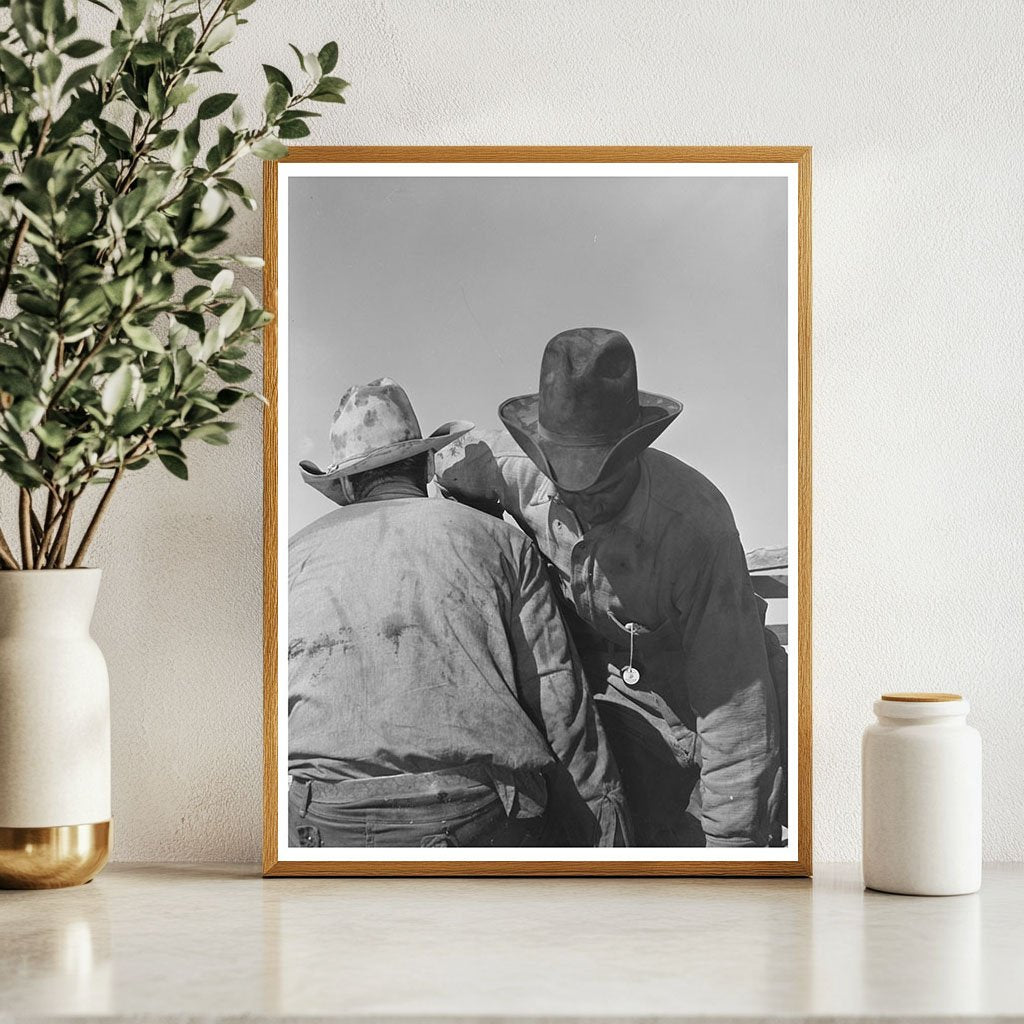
(669, 564)
(423, 635)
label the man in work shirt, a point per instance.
(654, 584)
(433, 694)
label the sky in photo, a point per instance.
(453, 285)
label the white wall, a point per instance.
(914, 113)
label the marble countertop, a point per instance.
(183, 941)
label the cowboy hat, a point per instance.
(374, 425)
(589, 418)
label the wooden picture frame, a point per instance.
(792, 160)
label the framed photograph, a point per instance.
(538, 511)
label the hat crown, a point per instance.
(370, 417)
(588, 386)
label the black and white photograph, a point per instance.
(536, 524)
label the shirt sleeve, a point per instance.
(586, 802)
(733, 698)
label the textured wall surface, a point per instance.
(913, 110)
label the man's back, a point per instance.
(411, 642)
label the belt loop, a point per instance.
(305, 791)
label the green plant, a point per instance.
(124, 334)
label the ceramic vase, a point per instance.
(54, 731)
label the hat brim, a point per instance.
(577, 467)
(326, 481)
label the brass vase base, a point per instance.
(54, 857)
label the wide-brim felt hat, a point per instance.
(374, 426)
(589, 418)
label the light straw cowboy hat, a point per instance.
(374, 426)
(589, 418)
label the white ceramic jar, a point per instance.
(921, 777)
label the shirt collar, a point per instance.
(634, 511)
(388, 489)
(545, 492)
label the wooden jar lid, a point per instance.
(921, 698)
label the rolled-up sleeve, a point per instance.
(585, 792)
(731, 692)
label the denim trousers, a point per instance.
(430, 809)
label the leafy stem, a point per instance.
(22, 228)
(129, 337)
